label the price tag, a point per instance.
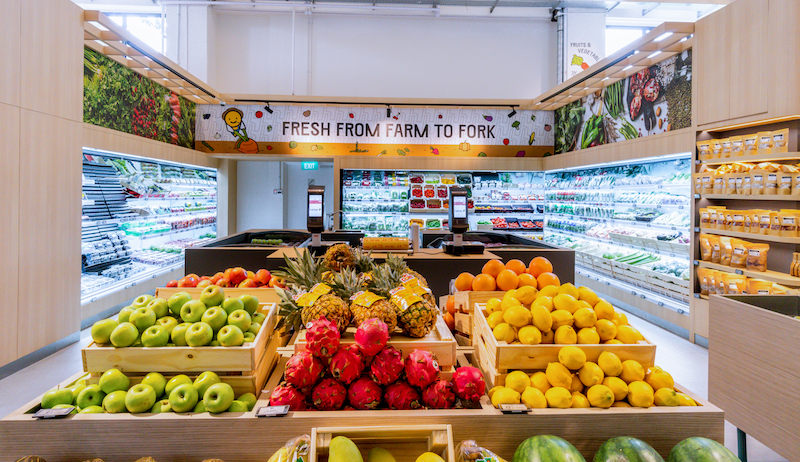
(696, 263)
(514, 409)
(696, 295)
(697, 196)
(53, 413)
(738, 271)
(697, 230)
(272, 411)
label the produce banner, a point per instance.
(367, 131)
(652, 101)
(115, 97)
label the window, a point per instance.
(618, 37)
(146, 27)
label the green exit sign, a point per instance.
(310, 165)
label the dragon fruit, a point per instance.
(322, 338)
(346, 365)
(329, 395)
(365, 394)
(387, 366)
(303, 370)
(439, 395)
(468, 383)
(285, 394)
(372, 336)
(402, 396)
(421, 368)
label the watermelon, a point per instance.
(626, 449)
(547, 448)
(697, 449)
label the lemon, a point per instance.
(539, 381)
(558, 375)
(494, 319)
(576, 384)
(617, 386)
(548, 338)
(559, 397)
(548, 291)
(588, 336)
(526, 294)
(632, 371)
(591, 374)
(568, 288)
(534, 398)
(510, 294)
(579, 400)
(613, 341)
(561, 318)
(584, 317)
(494, 389)
(659, 378)
(518, 381)
(530, 335)
(620, 319)
(685, 400)
(666, 397)
(605, 328)
(508, 302)
(429, 457)
(565, 335)
(493, 304)
(587, 294)
(546, 302)
(565, 302)
(610, 364)
(627, 334)
(640, 394)
(504, 333)
(621, 404)
(505, 395)
(517, 316)
(572, 358)
(541, 318)
(600, 396)
(604, 310)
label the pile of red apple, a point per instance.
(231, 277)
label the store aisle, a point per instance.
(687, 362)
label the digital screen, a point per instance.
(459, 207)
(314, 206)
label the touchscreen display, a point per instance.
(459, 207)
(315, 206)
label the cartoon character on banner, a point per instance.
(235, 126)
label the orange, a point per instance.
(493, 268)
(547, 279)
(464, 281)
(450, 320)
(507, 280)
(451, 302)
(526, 279)
(540, 265)
(516, 266)
(484, 282)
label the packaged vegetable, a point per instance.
(469, 451)
(757, 257)
(295, 450)
(757, 180)
(704, 150)
(737, 146)
(738, 220)
(774, 224)
(771, 183)
(739, 254)
(725, 251)
(705, 247)
(788, 224)
(734, 284)
(758, 287)
(750, 144)
(726, 147)
(785, 183)
(702, 280)
(764, 142)
(716, 149)
(713, 241)
(780, 141)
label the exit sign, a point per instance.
(310, 165)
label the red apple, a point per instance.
(262, 277)
(172, 283)
(275, 281)
(193, 275)
(247, 283)
(188, 281)
(203, 278)
(215, 278)
(237, 275)
(204, 283)
(251, 275)
(224, 282)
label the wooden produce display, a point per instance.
(464, 301)
(405, 443)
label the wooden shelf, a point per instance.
(757, 158)
(745, 197)
(757, 237)
(774, 276)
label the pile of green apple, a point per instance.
(213, 320)
(154, 394)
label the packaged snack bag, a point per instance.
(757, 180)
(739, 253)
(738, 220)
(725, 250)
(757, 257)
(702, 280)
(715, 247)
(704, 218)
(788, 224)
(758, 287)
(737, 146)
(771, 183)
(780, 141)
(716, 149)
(729, 179)
(705, 247)
(734, 284)
(726, 147)
(704, 150)
(785, 180)
(750, 144)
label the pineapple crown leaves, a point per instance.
(384, 279)
(364, 261)
(303, 271)
(289, 311)
(396, 263)
(347, 282)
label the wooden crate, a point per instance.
(503, 357)
(465, 300)
(405, 443)
(463, 323)
(263, 294)
(245, 358)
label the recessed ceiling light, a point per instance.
(653, 55)
(662, 36)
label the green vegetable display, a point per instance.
(612, 99)
(568, 120)
(628, 130)
(593, 132)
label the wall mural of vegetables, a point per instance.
(657, 99)
(115, 97)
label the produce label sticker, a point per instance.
(365, 298)
(404, 298)
(321, 288)
(304, 299)
(411, 283)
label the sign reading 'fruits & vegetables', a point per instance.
(353, 130)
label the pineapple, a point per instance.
(416, 320)
(348, 282)
(302, 272)
(399, 266)
(332, 307)
(339, 257)
(365, 265)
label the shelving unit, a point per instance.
(751, 236)
(773, 276)
(793, 156)
(747, 197)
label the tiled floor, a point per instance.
(687, 362)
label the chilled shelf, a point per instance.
(774, 276)
(611, 284)
(153, 273)
(672, 253)
(639, 224)
(624, 204)
(616, 187)
(181, 198)
(114, 221)
(170, 233)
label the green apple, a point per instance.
(193, 311)
(92, 395)
(159, 306)
(178, 334)
(184, 398)
(214, 343)
(92, 410)
(215, 317)
(250, 303)
(64, 406)
(113, 380)
(205, 380)
(175, 381)
(161, 406)
(114, 402)
(157, 381)
(237, 406)
(249, 399)
(199, 334)
(101, 330)
(155, 336)
(259, 318)
(168, 322)
(138, 342)
(124, 335)
(177, 301)
(142, 318)
(230, 336)
(218, 397)
(232, 304)
(142, 300)
(56, 397)
(249, 337)
(140, 398)
(240, 319)
(212, 295)
(200, 407)
(76, 388)
(125, 314)
(254, 328)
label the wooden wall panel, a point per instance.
(50, 240)
(51, 73)
(9, 229)
(712, 38)
(783, 31)
(10, 51)
(747, 68)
